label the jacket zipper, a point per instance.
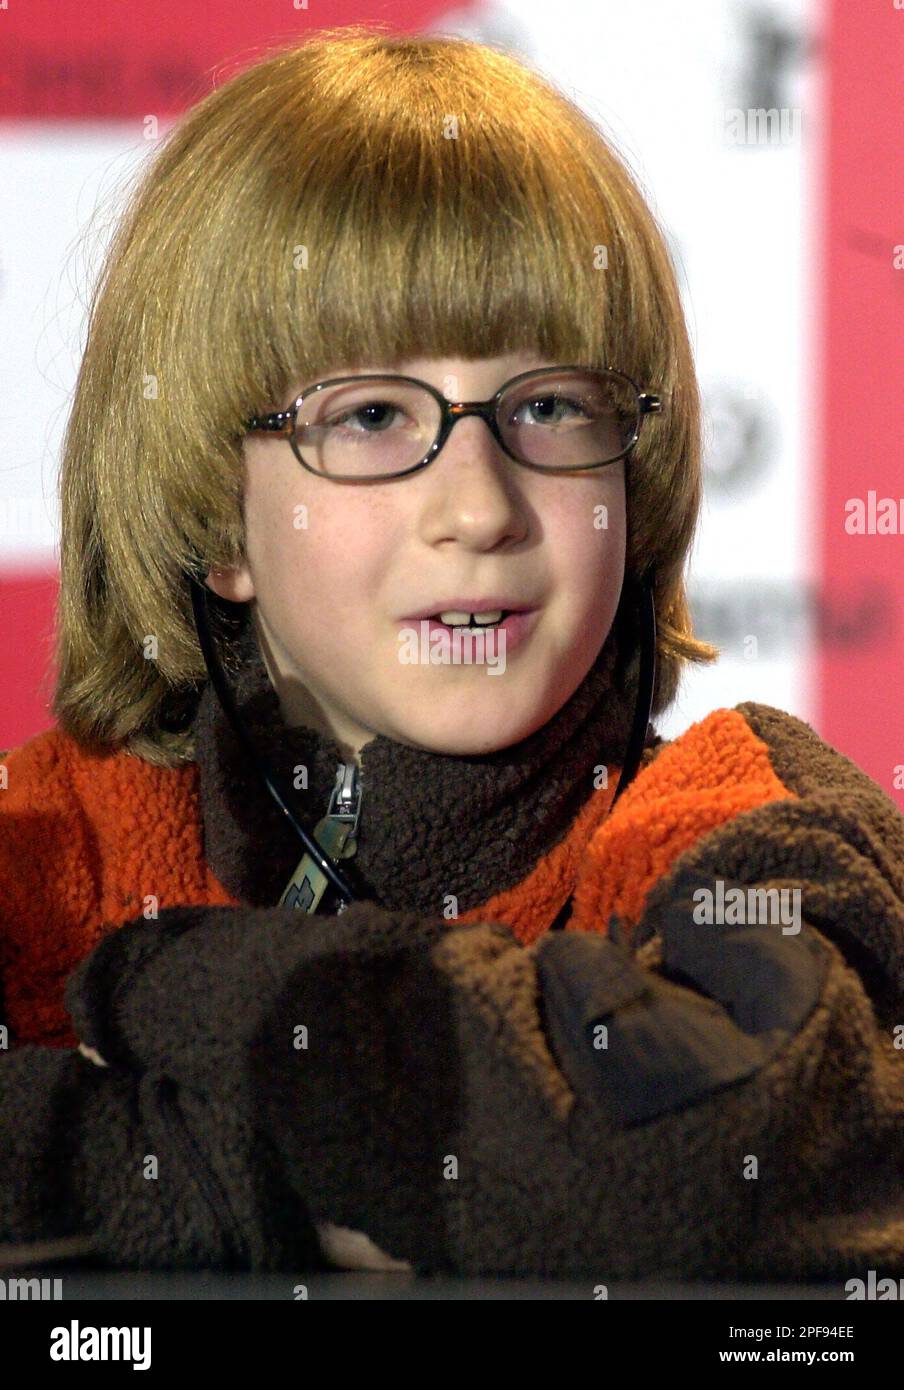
(335, 834)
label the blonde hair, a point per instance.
(310, 213)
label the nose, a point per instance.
(474, 494)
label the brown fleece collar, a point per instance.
(430, 824)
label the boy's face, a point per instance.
(333, 596)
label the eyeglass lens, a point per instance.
(380, 426)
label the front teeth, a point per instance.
(452, 618)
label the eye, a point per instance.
(375, 413)
(551, 409)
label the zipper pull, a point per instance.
(335, 833)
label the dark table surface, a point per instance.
(80, 1283)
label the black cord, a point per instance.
(274, 784)
(646, 681)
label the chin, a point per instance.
(469, 734)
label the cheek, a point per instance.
(314, 548)
(289, 562)
(275, 531)
(586, 537)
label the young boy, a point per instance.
(330, 258)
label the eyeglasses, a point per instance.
(368, 427)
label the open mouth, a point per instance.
(472, 621)
(507, 629)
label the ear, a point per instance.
(234, 584)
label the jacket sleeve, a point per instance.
(841, 842)
(123, 1166)
(191, 996)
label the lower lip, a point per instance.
(517, 628)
